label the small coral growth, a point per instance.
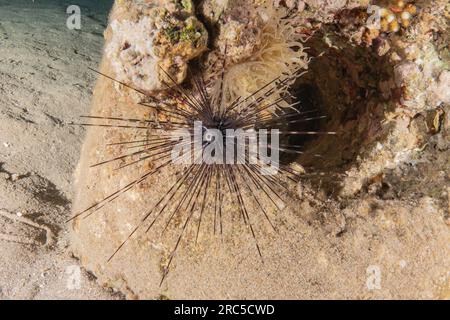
(395, 15)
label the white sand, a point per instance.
(44, 84)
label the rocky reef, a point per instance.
(373, 195)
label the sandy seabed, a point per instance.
(44, 85)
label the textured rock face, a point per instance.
(387, 217)
(149, 40)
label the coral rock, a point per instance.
(152, 41)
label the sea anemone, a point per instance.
(277, 50)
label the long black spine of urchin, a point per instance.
(190, 191)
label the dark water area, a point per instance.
(92, 11)
(91, 6)
(45, 25)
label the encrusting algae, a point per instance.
(159, 39)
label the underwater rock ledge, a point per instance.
(361, 214)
